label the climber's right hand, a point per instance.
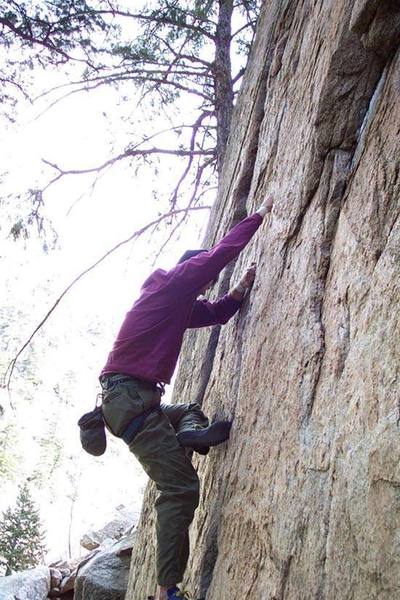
(266, 206)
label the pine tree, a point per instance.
(21, 534)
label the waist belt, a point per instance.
(107, 381)
(133, 428)
(135, 425)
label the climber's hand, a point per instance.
(266, 206)
(249, 276)
(245, 283)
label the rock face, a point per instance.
(304, 501)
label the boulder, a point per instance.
(114, 530)
(68, 583)
(65, 566)
(105, 575)
(33, 584)
(56, 577)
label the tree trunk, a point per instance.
(223, 78)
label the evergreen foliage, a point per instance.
(8, 457)
(21, 535)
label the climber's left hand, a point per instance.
(249, 276)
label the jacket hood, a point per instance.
(155, 278)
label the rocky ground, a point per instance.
(101, 575)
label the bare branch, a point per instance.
(197, 181)
(251, 24)
(179, 86)
(188, 57)
(184, 12)
(11, 366)
(6, 81)
(195, 129)
(169, 238)
(106, 80)
(238, 76)
(250, 15)
(127, 154)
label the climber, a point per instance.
(142, 361)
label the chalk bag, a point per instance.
(92, 432)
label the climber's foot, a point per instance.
(202, 439)
(204, 450)
(176, 594)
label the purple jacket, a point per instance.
(150, 339)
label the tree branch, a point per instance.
(127, 154)
(188, 57)
(43, 43)
(199, 174)
(107, 80)
(5, 81)
(251, 24)
(161, 20)
(250, 15)
(238, 76)
(124, 75)
(195, 129)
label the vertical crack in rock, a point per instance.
(331, 191)
(343, 334)
(239, 200)
(321, 593)
(207, 365)
(368, 119)
(285, 572)
(244, 182)
(209, 555)
(337, 167)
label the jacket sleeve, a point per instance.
(213, 313)
(194, 273)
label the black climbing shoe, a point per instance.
(202, 439)
(204, 450)
(177, 594)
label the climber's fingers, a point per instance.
(249, 276)
(266, 206)
(269, 202)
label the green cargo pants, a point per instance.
(165, 462)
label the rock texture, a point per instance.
(105, 575)
(33, 584)
(304, 501)
(113, 530)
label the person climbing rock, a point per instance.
(142, 361)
